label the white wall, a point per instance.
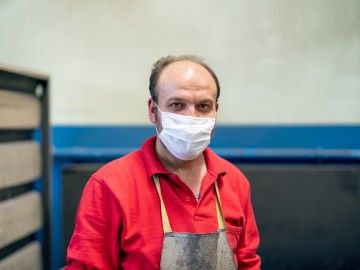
(279, 61)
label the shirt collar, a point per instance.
(153, 165)
(150, 158)
(214, 164)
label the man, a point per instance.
(173, 204)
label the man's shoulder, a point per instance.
(225, 165)
(120, 167)
(233, 173)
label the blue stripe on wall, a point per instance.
(73, 144)
(233, 142)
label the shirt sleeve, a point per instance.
(249, 241)
(94, 243)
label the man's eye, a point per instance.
(204, 106)
(176, 105)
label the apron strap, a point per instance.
(220, 216)
(165, 218)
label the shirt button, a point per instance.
(187, 198)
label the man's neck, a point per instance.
(190, 171)
(173, 164)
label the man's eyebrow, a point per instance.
(175, 99)
(207, 100)
(179, 99)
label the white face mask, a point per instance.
(185, 137)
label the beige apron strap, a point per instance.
(164, 216)
(220, 216)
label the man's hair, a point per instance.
(162, 63)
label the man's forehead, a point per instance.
(186, 71)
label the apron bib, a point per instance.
(195, 251)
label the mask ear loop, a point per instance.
(156, 128)
(157, 107)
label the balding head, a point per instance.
(160, 65)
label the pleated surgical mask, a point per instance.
(186, 137)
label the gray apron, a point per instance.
(195, 251)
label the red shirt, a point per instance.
(118, 223)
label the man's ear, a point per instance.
(216, 106)
(152, 110)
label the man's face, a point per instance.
(185, 88)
